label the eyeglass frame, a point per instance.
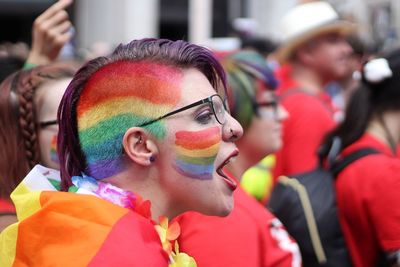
(207, 100)
(273, 103)
(44, 124)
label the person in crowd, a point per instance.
(51, 30)
(314, 51)
(368, 190)
(250, 235)
(28, 127)
(26, 90)
(144, 135)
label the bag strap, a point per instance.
(340, 165)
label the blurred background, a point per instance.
(101, 24)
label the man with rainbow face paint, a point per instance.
(250, 236)
(144, 135)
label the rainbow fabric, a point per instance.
(72, 229)
(196, 152)
(53, 150)
(118, 96)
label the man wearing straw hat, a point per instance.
(313, 52)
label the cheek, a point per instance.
(196, 152)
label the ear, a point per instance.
(138, 147)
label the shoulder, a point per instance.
(72, 221)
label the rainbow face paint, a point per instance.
(196, 152)
(119, 96)
(53, 150)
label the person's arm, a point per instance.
(50, 31)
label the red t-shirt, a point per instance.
(249, 236)
(368, 198)
(310, 118)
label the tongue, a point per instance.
(231, 184)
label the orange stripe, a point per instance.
(198, 139)
(58, 233)
(156, 83)
(198, 144)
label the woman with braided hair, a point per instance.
(367, 191)
(28, 128)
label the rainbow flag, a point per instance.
(74, 229)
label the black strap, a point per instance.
(339, 166)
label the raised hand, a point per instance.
(50, 31)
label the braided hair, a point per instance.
(18, 125)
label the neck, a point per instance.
(307, 78)
(386, 129)
(147, 188)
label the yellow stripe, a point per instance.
(121, 105)
(25, 201)
(199, 153)
(8, 245)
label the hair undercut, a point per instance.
(177, 54)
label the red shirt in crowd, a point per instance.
(310, 118)
(368, 197)
(250, 236)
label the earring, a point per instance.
(152, 159)
(140, 139)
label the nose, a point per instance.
(346, 47)
(231, 130)
(283, 114)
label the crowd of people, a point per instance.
(135, 157)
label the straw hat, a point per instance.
(306, 21)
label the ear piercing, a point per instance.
(152, 158)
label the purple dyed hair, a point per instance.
(179, 54)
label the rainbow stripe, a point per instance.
(53, 150)
(119, 96)
(196, 152)
(55, 227)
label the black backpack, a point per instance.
(306, 205)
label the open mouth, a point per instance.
(220, 170)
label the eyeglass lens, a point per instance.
(219, 109)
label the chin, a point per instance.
(225, 211)
(222, 210)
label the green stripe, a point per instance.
(197, 161)
(107, 129)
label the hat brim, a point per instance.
(284, 51)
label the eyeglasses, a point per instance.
(215, 101)
(267, 109)
(44, 124)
